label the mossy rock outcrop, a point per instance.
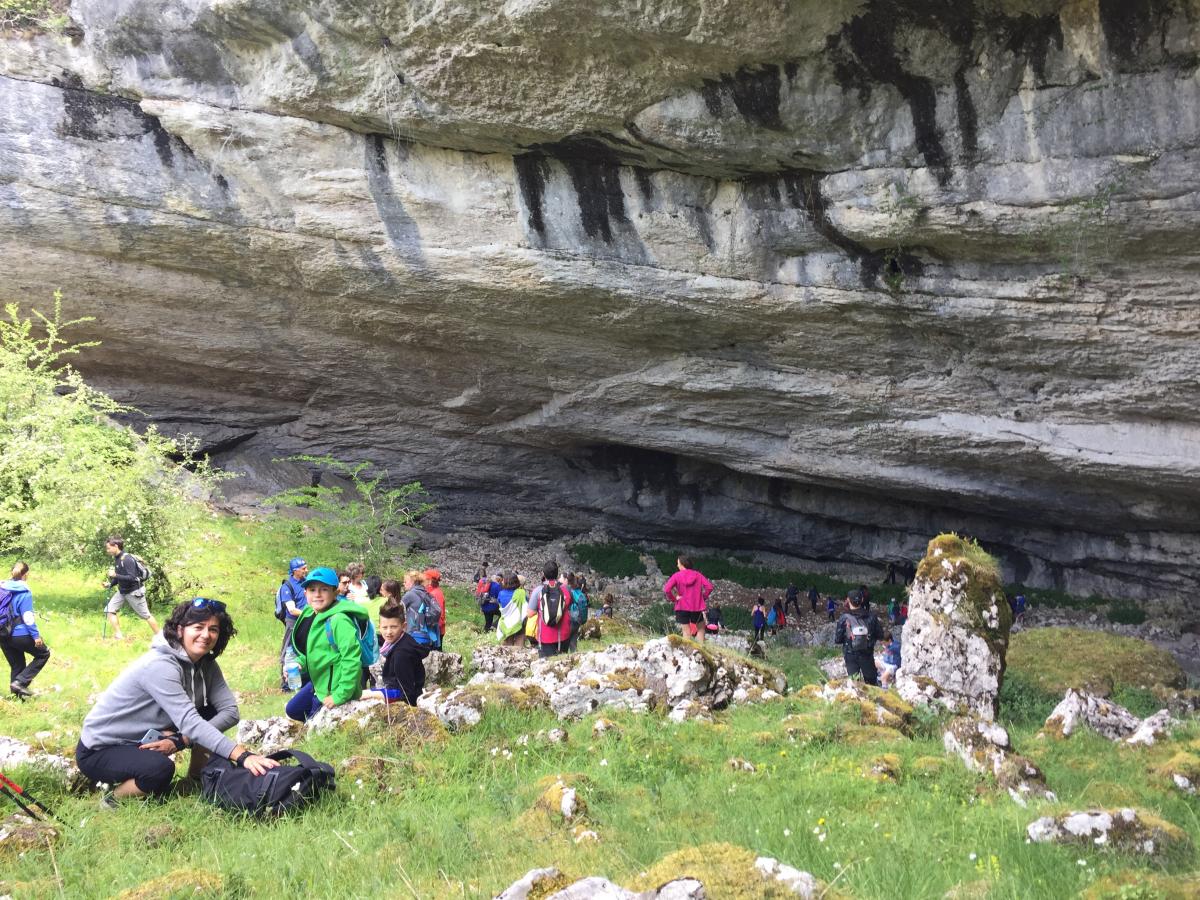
(1142, 885)
(728, 872)
(1055, 660)
(178, 885)
(956, 638)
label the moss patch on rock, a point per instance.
(177, 885)
(954, 557)
(1143, 885)
(727, 871)
(1055, 659)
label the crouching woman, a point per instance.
(172, 698)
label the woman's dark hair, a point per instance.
(572, 581)
(392, 588)
(187, 614)
(374, 583)
(511, 583)
(686, 562)
(20, 570)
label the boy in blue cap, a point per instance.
(326, 642)
(289, 600)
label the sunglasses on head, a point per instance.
(204, 603)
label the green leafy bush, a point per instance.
(611, 560)
(364, 521)
(69, 476)
(658, 619)
(1126, 612)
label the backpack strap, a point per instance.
(305, 761)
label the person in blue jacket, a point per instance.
(25, 638)
(289, 601)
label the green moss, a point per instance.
(1182, 763)
(1142, 885)
(726, 870)
(951, 556)
(1055, 659)
(176, 885)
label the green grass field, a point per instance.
(456, 818)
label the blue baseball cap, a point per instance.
(322, 575)
(296, 563)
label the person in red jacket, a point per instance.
(689, 591)
(433, 581)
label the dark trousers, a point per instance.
(790, 603)
(760, 633)
(15, 650)
(150, 770)
(490, 619)
(861, 662)
(303, 704)
(552, 649)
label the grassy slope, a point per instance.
(448, 819)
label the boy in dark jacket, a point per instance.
(403, 673)
(858, 630)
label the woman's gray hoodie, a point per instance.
(162, 690)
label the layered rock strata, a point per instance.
(822, 278)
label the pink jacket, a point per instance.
(688, 590)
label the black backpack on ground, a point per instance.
(278, 791)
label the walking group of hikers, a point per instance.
(175, 698)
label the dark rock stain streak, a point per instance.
(92, 116)
(399, 225)
(754, 91)
(595, 172)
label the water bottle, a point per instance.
(291, 670)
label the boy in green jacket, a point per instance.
(325, 641)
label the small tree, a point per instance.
(69, 475)
(365, 519)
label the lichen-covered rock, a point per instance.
(14, 753)
(534, 879)
(1182, 771)
(1150, 729)
(443, 669)
(456, 708)
(502, 660)
(178, 883)
(603, 726)
(592, 630)
(738, 643)
(1127, 829)
(20, 834)
(885, 768)
(727, 870)
(1141, 883)
(984, 747)
(1078, 708)
(269, 735)
(874, 705)
(955, 641)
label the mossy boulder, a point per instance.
(21, 834)
(956, 639)
(1055, 660)
(1126, 830)
(1143, 885)
(178, 885)
(883, 768)
(730, 872)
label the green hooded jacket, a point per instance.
(334, 673)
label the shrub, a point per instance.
(69, 476)
(1126, 612)
(658, 619)
(363, 521)
(611, 560)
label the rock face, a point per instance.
(657, 259)
(984, 747)
(956, 637)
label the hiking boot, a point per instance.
(20, 690)
(109, 802)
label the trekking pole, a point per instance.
(7, 788)
(12, 787)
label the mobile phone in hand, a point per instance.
(151, 736)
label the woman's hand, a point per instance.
(166, 745)
(259, 765)
(327, 703)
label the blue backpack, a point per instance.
(8, 613)
(281, 601)
(579, 606)
(368, 643)
(426, 633)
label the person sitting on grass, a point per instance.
(24, 638)
(325, 641)
(403, 669)
(172, 698)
